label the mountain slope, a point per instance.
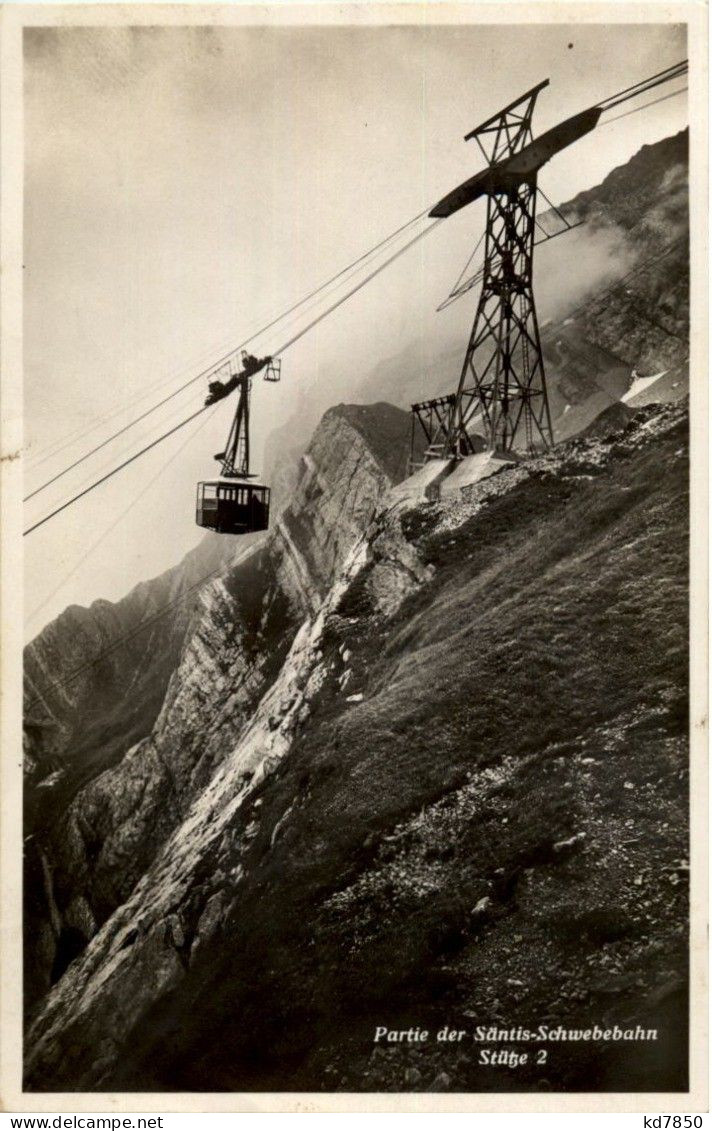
(92, 831)
(461, 800)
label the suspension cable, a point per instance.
(643, 85)
(612, 101)
(637, 109)
(136, 499)
(109, 474)
(194, 415)
(209, 370)
(363, 283)
(674, 71)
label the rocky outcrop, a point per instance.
(87, 850)
(479, 733)
(341, 484)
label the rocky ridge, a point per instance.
(64, 690)
(88, 848)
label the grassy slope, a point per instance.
(533, 691)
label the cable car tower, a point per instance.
(231, 504)
(502, 387)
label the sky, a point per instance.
(185, 185)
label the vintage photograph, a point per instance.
(356, 389)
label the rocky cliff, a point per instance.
(118, 750)
(80, 714)
(447, 788)
(639, 319)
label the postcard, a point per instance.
(354, 450)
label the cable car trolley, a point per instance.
(232, 504)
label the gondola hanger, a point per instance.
(232, 504)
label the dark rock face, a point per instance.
(462, 796)
(646, 191)
(96, 826)
(641, 212)
(613, 419)
(81, 716)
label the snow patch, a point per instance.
(640, 383)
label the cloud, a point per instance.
(577, 264)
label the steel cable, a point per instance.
(194, 415)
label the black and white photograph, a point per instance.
(358, 378)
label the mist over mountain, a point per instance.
(594, 333)
(612, 296)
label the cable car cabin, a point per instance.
(232, 508)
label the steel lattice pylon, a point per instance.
(502, 384)
(502, 388)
